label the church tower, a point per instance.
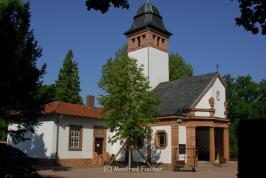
(148, 43)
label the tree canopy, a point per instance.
(104, 6)
(67, 83)
(48, 93)
(178, 68)
(19, 74)
(253, 16)
(246, 100)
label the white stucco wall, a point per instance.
(155, 64)
(204, 102)
(142, 58)
(41, 143)
(218, 105)
(161, 155)
(87, 140)
(114, 148)
(182, 137)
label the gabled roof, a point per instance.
(178, 95)
(70, 109)
(148, 16)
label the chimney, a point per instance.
(90, 101)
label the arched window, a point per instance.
(161, 139)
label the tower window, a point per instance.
(158, 41)
(143, 39)
(133, 42)
(138, 39)
(163, 41)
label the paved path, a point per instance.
(98, 172)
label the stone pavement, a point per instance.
(206, 171)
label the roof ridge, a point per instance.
(205, 89)
(190, 77)
(76, 104)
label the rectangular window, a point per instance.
(75, 138)
(134, 42)
(182, 148)
(138, 39)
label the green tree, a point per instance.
(178, 68)
(104, 6)
(253, 16)
(3, 128)
(48, 93)
(261, 104)
(246, 100)
(129, 103)
(68, 84)
(19, 75)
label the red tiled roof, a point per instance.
(72, 110)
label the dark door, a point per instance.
(98, 147)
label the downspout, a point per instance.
(57, 136)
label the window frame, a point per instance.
(80, 129)
(157, 139)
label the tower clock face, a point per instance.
(218, 95)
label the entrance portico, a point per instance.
(210, 138)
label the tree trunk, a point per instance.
(129, 158)
(117, 154)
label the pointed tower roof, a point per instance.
(148, 16)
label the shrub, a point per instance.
(15, 163)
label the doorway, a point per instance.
(98, 145)
(203, 143)
(219, 151)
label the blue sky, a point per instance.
(204, 33)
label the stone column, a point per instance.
(226, 143)
(191, 144)
(212, 145)
(175, 143)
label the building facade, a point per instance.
(192, 124)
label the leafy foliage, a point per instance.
(246, 100)
(19, 75)
(253, 16)
(3, 128)
(178, 68)
(129, 104)
(48, 93)
(104, 5)
(68, 84)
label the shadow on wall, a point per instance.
(155, 154)
(35, 149)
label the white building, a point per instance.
(193, 112)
